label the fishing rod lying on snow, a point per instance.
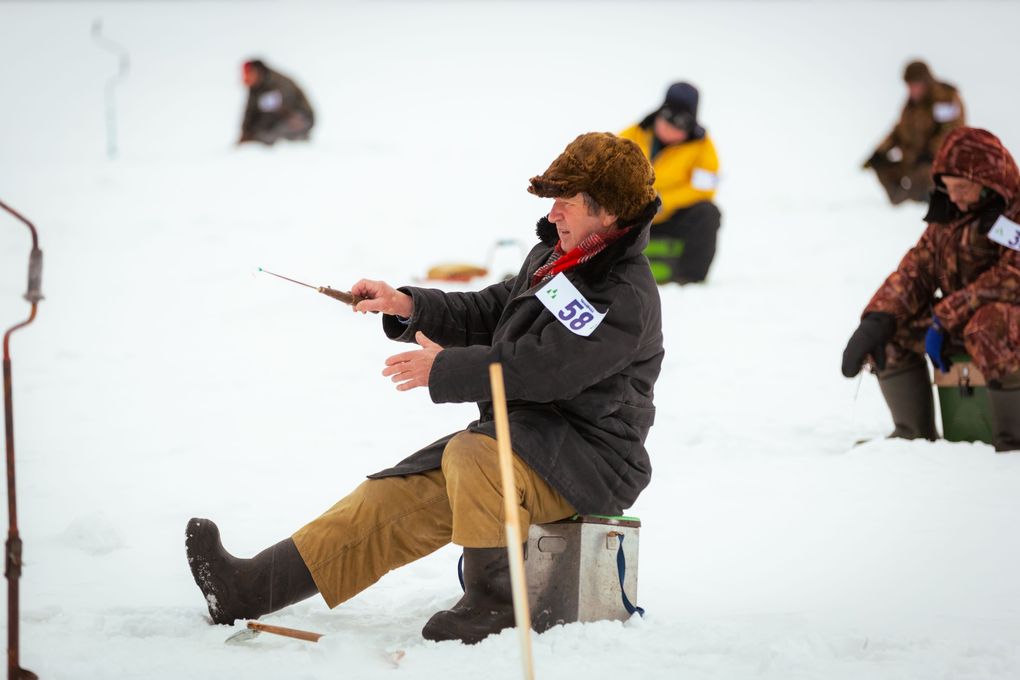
(256, 628)
(343, 296)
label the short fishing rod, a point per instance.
(345, 297)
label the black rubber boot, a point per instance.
(236, 588)
(907, 392)
(1005, 407)
(487, 606)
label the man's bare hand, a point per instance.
(411, 369)
(382, 297)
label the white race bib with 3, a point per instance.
(1006, 232)
(945, 112)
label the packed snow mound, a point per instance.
(93, 534)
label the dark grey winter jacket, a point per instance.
(580, 407)
(273, 100)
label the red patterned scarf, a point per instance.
(559, 261)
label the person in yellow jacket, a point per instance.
(683, 234)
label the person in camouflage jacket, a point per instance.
(903, 161)
(957, 290)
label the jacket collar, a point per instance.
(648, 122)
(597, 269)
(944, 211)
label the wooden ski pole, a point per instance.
(518, 585)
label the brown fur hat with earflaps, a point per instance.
(917, 72)
(612, 170)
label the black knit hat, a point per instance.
(680, 109)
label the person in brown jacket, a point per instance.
(903, 160)
(277, 108)
(971, 253)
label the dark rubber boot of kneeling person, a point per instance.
(487, 606)
(907, 392)
(236, 588)
(1004, 404)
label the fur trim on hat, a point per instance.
(610, 169)
(918, 72)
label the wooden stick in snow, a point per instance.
(285, 632)
(511, 515)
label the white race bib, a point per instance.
(704, 180)
(270, 101)
(943, 112)
(1006, 232)
(568, 305)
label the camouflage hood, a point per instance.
(979, 156)
(1013, 210)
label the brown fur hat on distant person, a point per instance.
(612, 170)
(917, 72)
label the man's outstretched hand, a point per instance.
(411, 369)
(382, 297)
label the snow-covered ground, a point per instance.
(164, 379)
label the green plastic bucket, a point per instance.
(963, 401)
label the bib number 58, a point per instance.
(570, 311)
(569, 307)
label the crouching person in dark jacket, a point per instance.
(902, 162)
(277, 108)
(578, 332)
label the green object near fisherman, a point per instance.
(963, 401)
(663, 254)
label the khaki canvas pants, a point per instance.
(387, 523)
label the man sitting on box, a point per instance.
(578, 332)
(970, 253)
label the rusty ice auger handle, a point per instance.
(34, 293)
(123, 65)
(12, 561)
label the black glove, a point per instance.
(871, 337)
